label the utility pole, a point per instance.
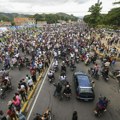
(98, 1)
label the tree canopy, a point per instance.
(96, 18)
(54, 18)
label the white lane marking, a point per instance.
(39, 92)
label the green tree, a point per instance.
(38, 17)
(113, 17)
(94, 18)
(117, 2)
(12, 23)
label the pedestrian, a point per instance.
(2, 116)
(33, 74)
(22, 92)
(75, 116)
(23, 82)
(30, 83)
(16, 102)
(20, 115)
(11, 114)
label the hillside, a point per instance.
(10, 16)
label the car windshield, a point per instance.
(86, 90)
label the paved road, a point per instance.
(63, 109)
(16, 76)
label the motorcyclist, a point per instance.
(51, 75)
(102, 104)
(96, 69)
(6, 83)
(63, 67)
(72, 55)
(67, 61)
(58, 89)
(105, 72)
(72, 63)
(55, 64)
(77, 57)
(67, 91)
(62, 78)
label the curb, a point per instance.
(31, 93)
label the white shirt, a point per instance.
(30, 82)
(62, 78)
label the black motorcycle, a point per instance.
(105, 76)
(51, 78)
(77, 59)
(4, 90)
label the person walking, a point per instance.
(75, 116)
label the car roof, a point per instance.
(83, 81)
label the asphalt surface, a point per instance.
(63, 110)
(16, 75)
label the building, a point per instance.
(5, 24)
(20, 21)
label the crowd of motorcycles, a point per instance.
(5, 79)
(102, 71)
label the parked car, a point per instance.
(83, 86)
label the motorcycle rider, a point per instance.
(58, 90)
(55, 64)
(72, 64)
(105, 72)
(96, 69)
(62, 78)
(67, 91)
(63, 67)
(51, 75)
(101, 105)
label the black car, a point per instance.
(83, 86)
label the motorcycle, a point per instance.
(2, 94)
(105, 76)
(51, 77)
(5, 89)
(87, 61)
(46, 116)
(77, 59)
(20, 65)
(101, 109)
(67, 96)
(56, 68)
(72, 67)
(67, 62)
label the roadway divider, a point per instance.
(25, 104)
